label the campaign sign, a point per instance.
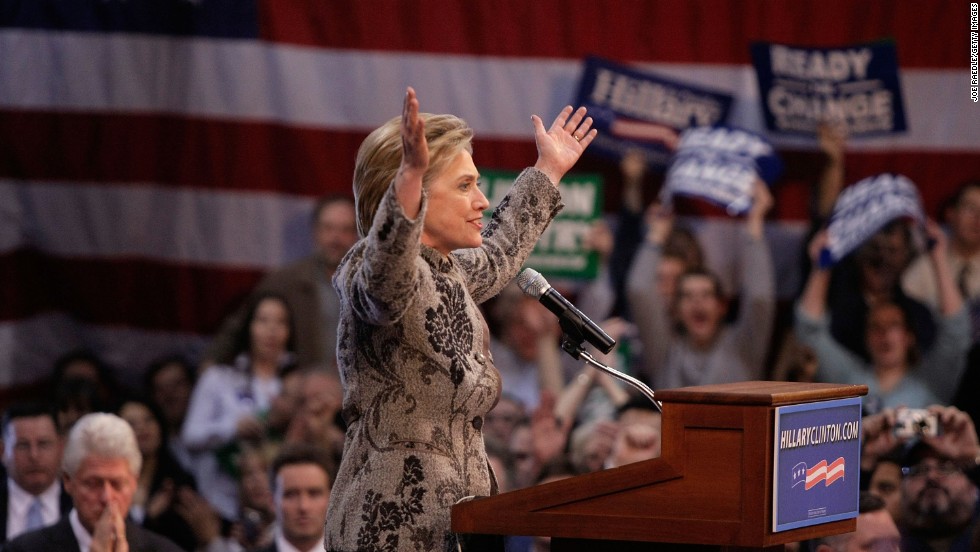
(855, 86)
(561, 250)
(720, 165)
(817, 463)
(864, 208)
(635, 110)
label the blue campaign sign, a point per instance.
(636, 110)
(720, 165)
(856, 86)
(864, 208)
(817, 463)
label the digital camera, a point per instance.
(915, 422)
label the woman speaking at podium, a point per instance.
(413, 348)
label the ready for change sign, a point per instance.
(561, 250)
(817, 467)
(855, 86)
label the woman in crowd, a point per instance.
(898, 375)
(413, 348)
(230, 401)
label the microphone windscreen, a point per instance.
(532, 283)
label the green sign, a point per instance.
(561, 250)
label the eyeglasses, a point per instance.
(943, 469)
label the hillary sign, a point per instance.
(638, 110)
(856, 86)
(816, 472)
(720, 165)
(864, 208)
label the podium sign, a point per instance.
(817, 463)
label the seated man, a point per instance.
(101, 464)
(301, 486)
(31, 496)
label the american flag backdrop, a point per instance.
(158, 156)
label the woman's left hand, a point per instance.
(560, 147)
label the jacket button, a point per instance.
(477, 422)
(481, 358)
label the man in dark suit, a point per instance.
(301, 486)
(100, 466)
(30, 493)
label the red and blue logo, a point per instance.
(821, 472)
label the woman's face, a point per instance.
(144, 425)
(454, 218)
(889, 340)
(270, 329)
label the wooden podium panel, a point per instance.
(712, 484)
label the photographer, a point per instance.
(941, 473)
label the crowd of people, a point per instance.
(238, 450)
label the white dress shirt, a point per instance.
(19, 502)
(282, 545)
(82, 535)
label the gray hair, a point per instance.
(103, 435)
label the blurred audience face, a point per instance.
(528, 324)
(256, 492)
(699, 307)
(269, 330)
(668, 272)
(889, 340)
(500, 422)
(335, 231)
(886, 484)
(301, 499)
(525, 465)
(882, 259)
(32, 452)
(876, 532)
(638, 437)
(322, 394)
(145, 426)
(171, 392)
(937, 497)
(98, 483)
(964, 219)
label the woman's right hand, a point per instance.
(415, 157)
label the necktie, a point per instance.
(34, 519)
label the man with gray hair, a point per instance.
(100, 467)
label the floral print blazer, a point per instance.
(413, 352)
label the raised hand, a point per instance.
(415, 156)
(561, 145)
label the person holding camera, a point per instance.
(940, 508)
(897, 375)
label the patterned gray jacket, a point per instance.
(413, 351)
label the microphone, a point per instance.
(575, 324)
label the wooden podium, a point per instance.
(711, 486)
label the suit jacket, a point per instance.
(271, 547)
(64, 506)
(418, 376)
(60, 537)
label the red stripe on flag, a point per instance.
(677, 31)
(835, 470)
(223, 155)
(130, 292)
(200, 153)
(816, 474)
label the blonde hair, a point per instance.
(380, 155)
